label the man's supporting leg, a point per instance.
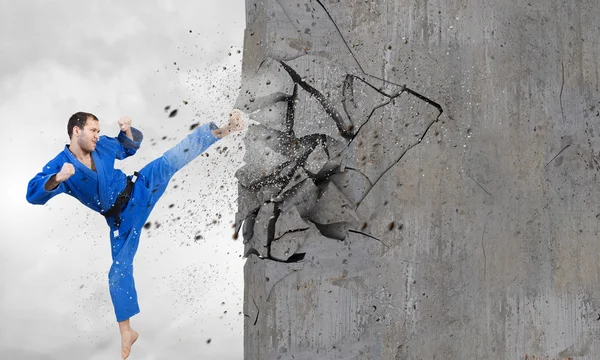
(128, 337)
(155, 177)
(122, 285)
(122, 289)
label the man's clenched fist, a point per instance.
(124, 123)
(66, 172)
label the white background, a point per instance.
(115, 58)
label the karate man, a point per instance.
(85, 170)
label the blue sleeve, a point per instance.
(128, 146)
(207, 138)
(36, 194)
(122, 146)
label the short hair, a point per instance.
(78, 119)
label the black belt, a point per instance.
(122, 199)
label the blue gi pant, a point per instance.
(151, 183)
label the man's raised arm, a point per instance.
(129, 138)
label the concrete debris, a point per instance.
(332, 207)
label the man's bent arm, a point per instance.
(51, 184)
(43, 187)
(128, 133)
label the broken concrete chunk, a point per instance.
(248, 226)
(314, 241)
(247, 201)
(391, 130)
(352, 184)
(288, 221)
(361, 99)
(298, 177)
(333, 207)
(316, 160)
(303, 197)
(286, 246)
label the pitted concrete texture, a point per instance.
(423, 181)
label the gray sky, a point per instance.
(113, 59)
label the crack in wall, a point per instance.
(560, 152)
(344, 129)
(342, 36)
(271, 189)
(562, 85)
(482, 188)
(400, 158)
(257, 311)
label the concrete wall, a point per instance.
(423, 181)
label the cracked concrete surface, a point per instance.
(422, 180)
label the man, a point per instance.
(85, 170)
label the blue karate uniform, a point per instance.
(98, 190)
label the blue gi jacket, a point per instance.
(96, 190)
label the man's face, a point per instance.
(89, 135)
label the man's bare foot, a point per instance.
(128, 337)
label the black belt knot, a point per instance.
(122, 199)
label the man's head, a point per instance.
(84, 131)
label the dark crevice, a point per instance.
(369, 236)
(325, 103)
(295, 258)
(348, 84)
(257, 310)
(271, 228)
(252, 251)
(426, 99)
(289, 232)
(291, 112)
(323, 176)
